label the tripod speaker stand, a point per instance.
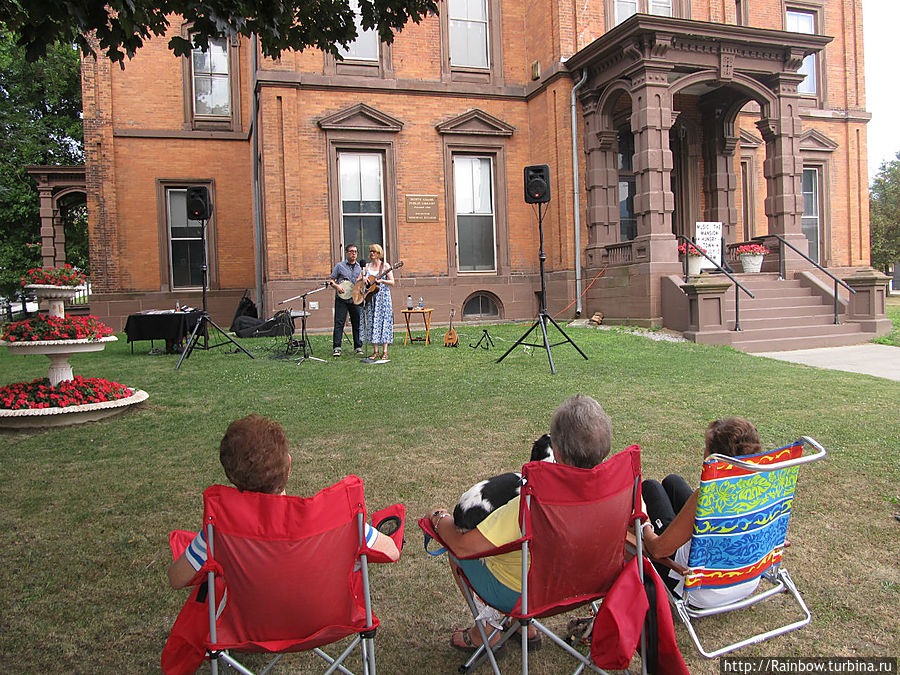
(203, 324)
(543, 317)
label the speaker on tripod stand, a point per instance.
(199, 208)
(537, 191)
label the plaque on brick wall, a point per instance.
(709, 237)
(421, 208)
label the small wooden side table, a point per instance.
(426, 317)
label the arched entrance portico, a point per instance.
(59, 188)
(692, 79)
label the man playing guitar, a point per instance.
(343, 277)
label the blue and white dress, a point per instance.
(378, 315)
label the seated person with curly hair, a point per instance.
(672, 506)
(254, 453)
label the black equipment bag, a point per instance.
(280, 325)
(246, 308)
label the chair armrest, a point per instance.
(631, 545)
(428, 529)
(383, 520)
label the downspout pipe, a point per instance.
(577, 193)
(254, 148)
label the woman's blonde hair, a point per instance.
(378, 250)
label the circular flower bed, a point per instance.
(77, 391)
(54, 276)
(45, 327)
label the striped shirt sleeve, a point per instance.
(196, 551)
(371, 535)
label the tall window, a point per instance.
(625, 8)
(627, 189)
(362, 204)
(474, 202)
(210, 80)
(365, 47)
(798, 21)
(185, 241)
(747, 197)
(812, 222)
(468, 33)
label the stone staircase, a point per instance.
(786, 314)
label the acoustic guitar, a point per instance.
(370, 287)
(450, 337)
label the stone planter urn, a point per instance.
(694, 265)
(752, 263)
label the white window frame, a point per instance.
(626, 8)
(493, 212)
(360, 48)
(798, 20)
(457, 21)
(342, 157)
(213, 76)
(169, 190)
(816, 199)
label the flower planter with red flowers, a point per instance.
(61, 398)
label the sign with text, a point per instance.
(708, 236)
(421, 209)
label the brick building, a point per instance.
(746, 112)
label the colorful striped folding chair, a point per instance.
(294, 572)
(739, 534)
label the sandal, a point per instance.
(470, 646)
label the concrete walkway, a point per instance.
(868, 359)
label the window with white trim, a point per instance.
(365, 46)
(469, 34)
(185, 242)
(799, 21)
(362, 199)
(211, 81)
(626, 8)
(473, 180)
(812, 221)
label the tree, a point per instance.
(884, 215)
(40, 123)
(121, 26)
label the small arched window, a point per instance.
(481, 306)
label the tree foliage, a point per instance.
(121, 26)
(884, 215)
(40, 123)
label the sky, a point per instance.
(881, 19)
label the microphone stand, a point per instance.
(304, 336)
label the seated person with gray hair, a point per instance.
(581, 434)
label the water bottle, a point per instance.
(408, 302)
(421, 303)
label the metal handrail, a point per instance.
(737, 284)
(781, 271)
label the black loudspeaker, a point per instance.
(198, 207)
(537, 184)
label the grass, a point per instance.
(892, 309)
(86, 510)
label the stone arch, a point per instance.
(745, 84)
(56, 185)
(607, 100)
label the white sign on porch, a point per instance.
(708, 236)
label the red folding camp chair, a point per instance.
(294, 572)
(573, 531)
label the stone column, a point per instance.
(867, 306)
(719, 181)
(48, 230)
(601, 182)
(651, 119)
(783, 166)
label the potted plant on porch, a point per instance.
(751, 256)
(694, 257)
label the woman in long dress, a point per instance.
(378, 314)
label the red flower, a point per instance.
(77, 391)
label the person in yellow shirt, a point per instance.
(581, 434)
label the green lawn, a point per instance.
(892, 309)
(86, 510)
